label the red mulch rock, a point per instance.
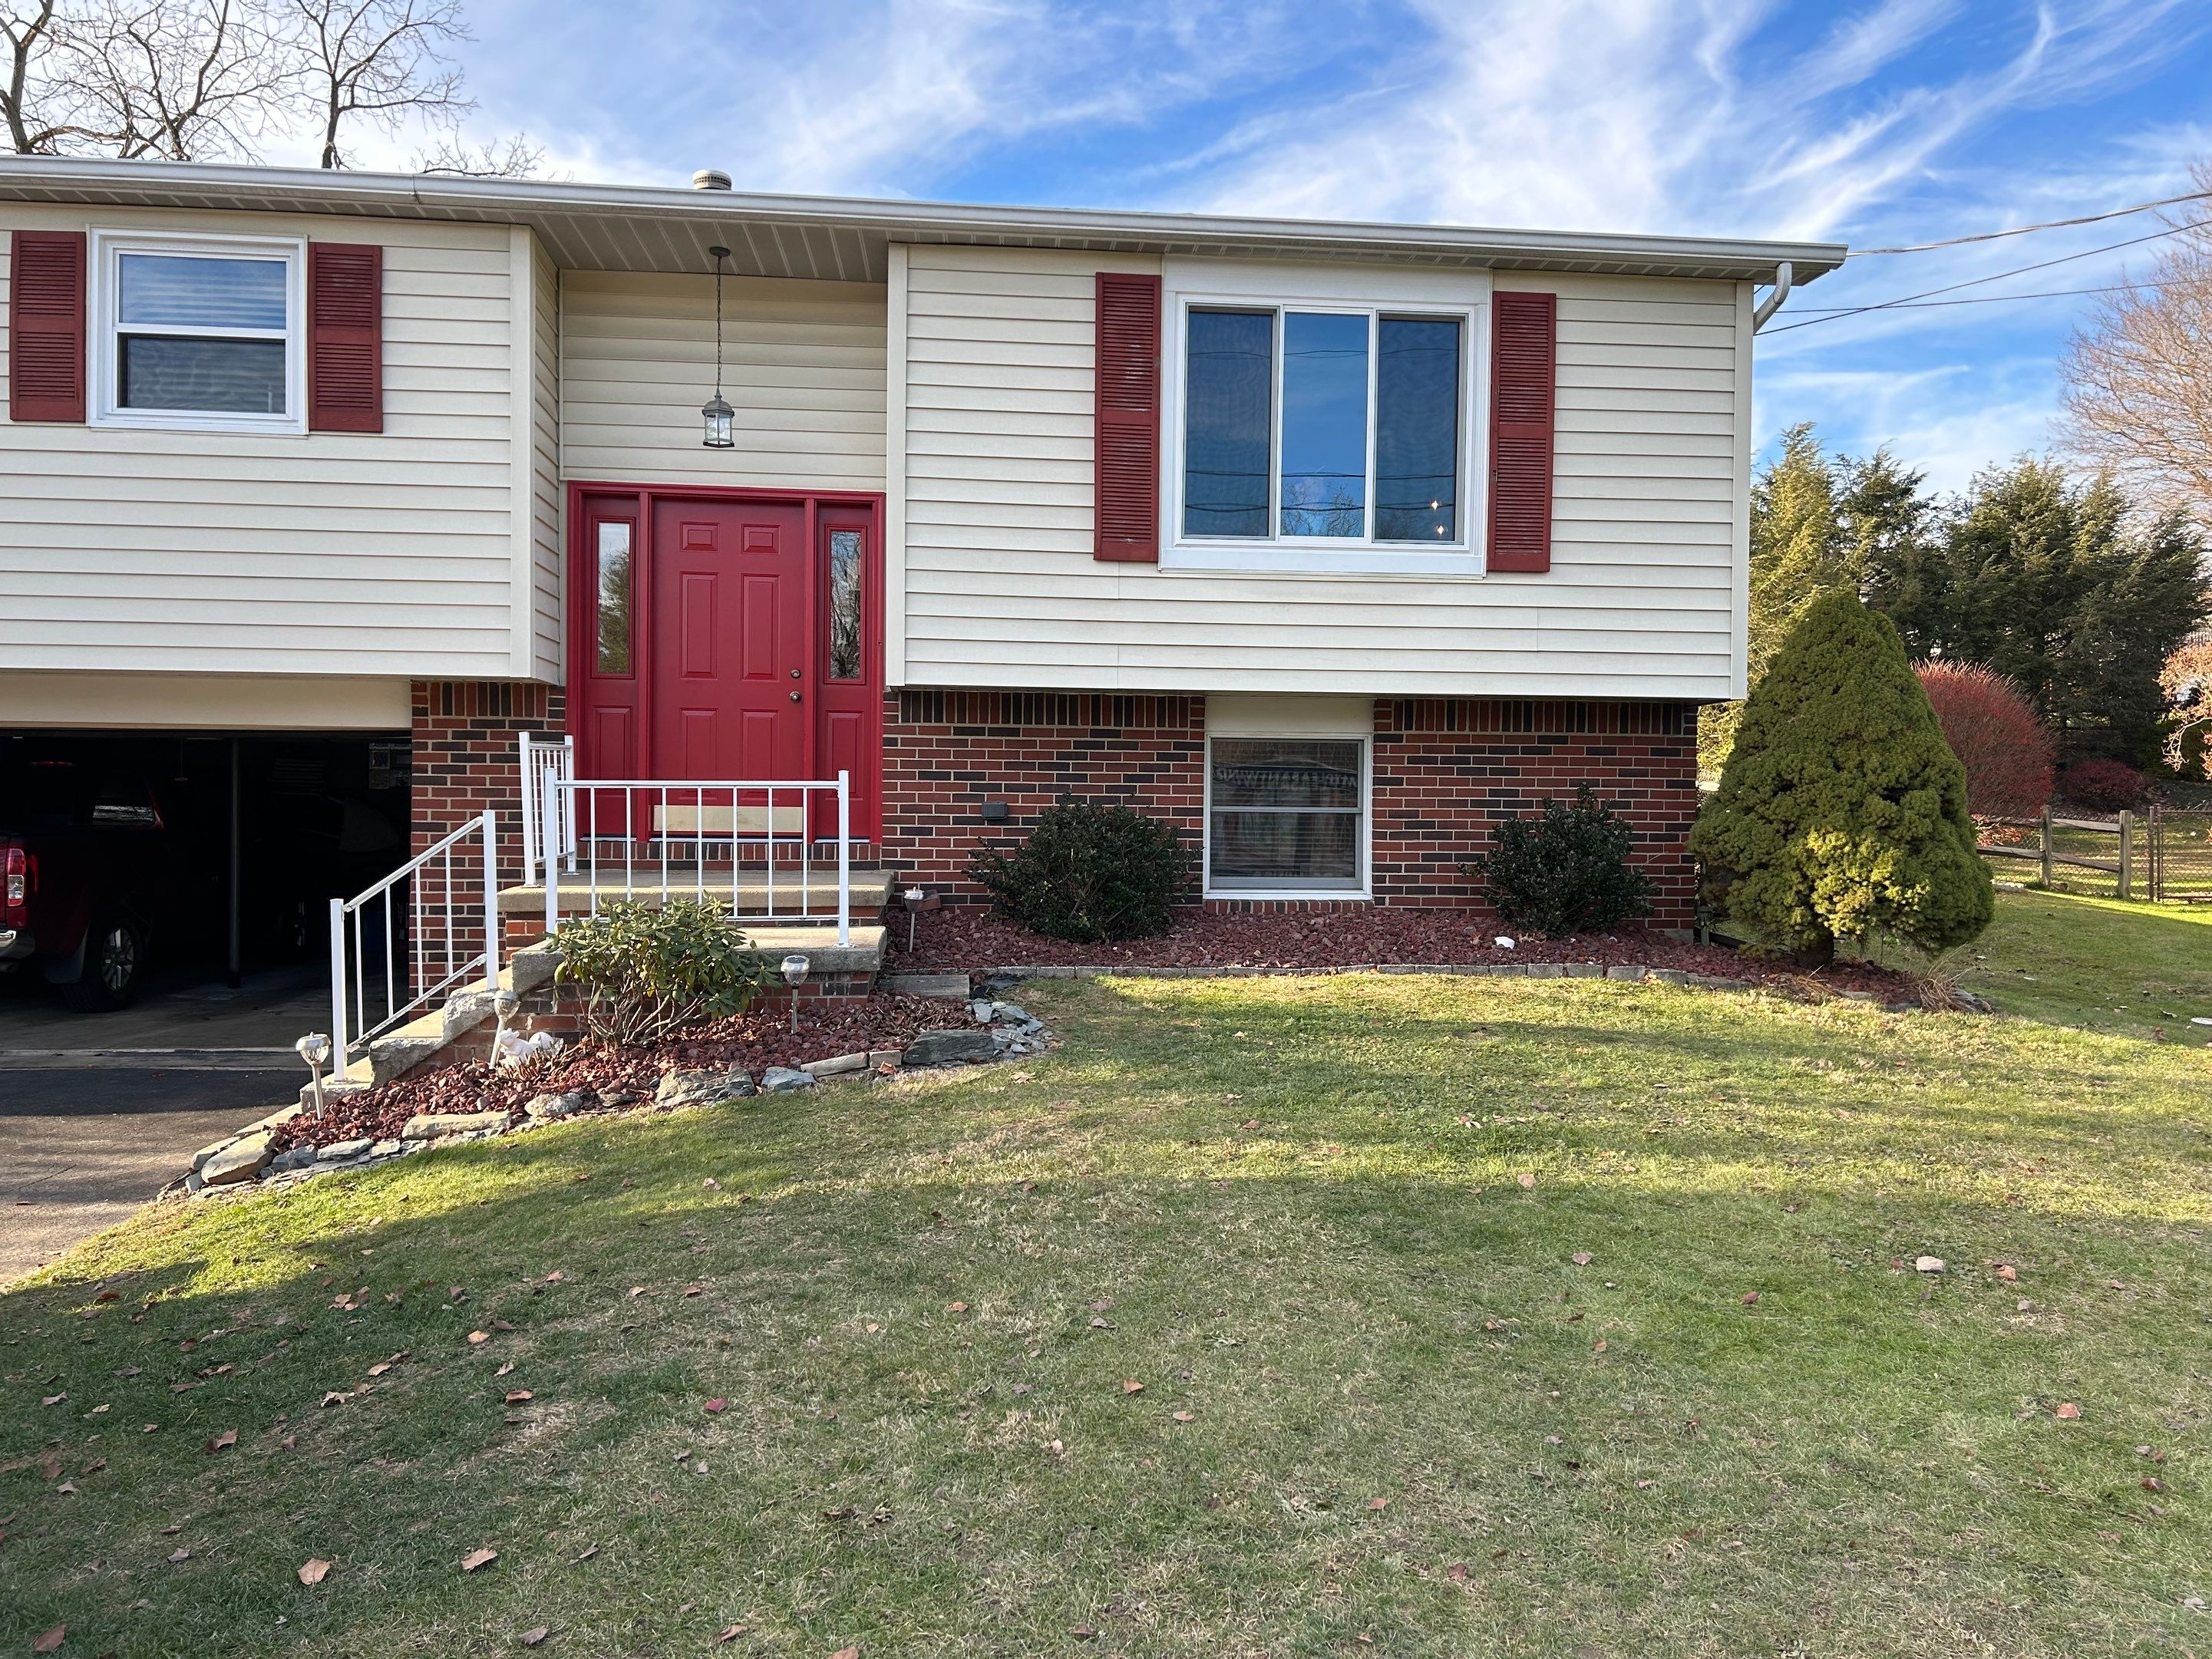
(828, 1027)
(969, 938)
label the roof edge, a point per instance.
(309, 190)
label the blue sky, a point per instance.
(1883, 123)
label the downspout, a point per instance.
(1775, 297)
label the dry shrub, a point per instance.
(2007, 753)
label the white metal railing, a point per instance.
(543, 758)
(419, 939)
(730, 841)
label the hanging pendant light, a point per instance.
(721, 419)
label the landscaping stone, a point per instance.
(551, 1108)
(241, 1160)
(295, 1158)
(883, 1057)
(1669, 975)
(1546, 971)
(437, 1125)
(838, 1065)
(950, 1048)
(981, 1010)
(1583, 970)
(951, 987)
(701, 1088)
(1014, 1012)
(200, 1158)
(1625, 971)
(386, 1148)
(340, 1151)
(784, 1080)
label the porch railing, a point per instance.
(755, 846)
(408, 939)
(543, 759)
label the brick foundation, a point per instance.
(465, 757)
(1445, 771)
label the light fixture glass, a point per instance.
(720, 419)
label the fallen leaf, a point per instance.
(846, 1653)
(380, 1368)
(694, 1290)
(1525, 1178)
(477, 1337)
(637, 1289)
(50, 1641)
(314, 1570)
(956, 1307)
(176, 1556)
(224, 1441)
(518, 1396)
(715, 1407)
(731, 1633)
(505, 1369)
(590, 1550)
(2152, 1483)
(476, 1559)
(1186, 1417)
(553, 1277)
(500, 1325)
(1130, 1385)
(1598, 1346)
(1750, 1298)
(531, 1637)
(53, 1400)
(335, 1397)
(2067, 1410)
(1456, 1572)
(2008, 1273)
(1582, 1258)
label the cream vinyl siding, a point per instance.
(991, 556)
(344, 553)
(546, 493)
(802, 364)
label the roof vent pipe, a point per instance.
(1775, 297)
(710, 178)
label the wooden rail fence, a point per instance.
(2157, 856)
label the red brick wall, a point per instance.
(465, 757)
(946, 753)
(1444, 772)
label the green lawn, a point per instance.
(1383, 1410)
(2140, 969)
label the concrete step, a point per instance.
(748, 894)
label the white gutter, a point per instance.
(1776, 296)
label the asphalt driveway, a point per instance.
(99, 1112)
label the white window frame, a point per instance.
(107, 249)
(1284, 722)
(1376, 292)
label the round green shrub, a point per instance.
(1087, 873)
(1842, 812)
(1565, 871)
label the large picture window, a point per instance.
(200, 333)
(1312, 425)
(1287, 815)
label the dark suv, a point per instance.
(91, 863)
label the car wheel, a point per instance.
(114, 960)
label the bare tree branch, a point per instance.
(513, 157)
(2138, 399)
(381, 61)
(179, 80)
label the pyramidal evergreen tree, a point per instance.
(1842, 813)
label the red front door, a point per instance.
(729, 684)
(726, 637)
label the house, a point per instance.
(1331, 543)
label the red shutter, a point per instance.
(1128, 481)
(45, 327)
(345, 337)
(1523, 355)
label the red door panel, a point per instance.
(729, 589)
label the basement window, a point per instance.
(1285, 816)
(199, 333)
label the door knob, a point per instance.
(794, 696)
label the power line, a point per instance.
(2026, 230)
(1998, 277)
(2000, 299)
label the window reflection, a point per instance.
(845, 604)
(614, 609)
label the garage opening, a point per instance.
(138, 861)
